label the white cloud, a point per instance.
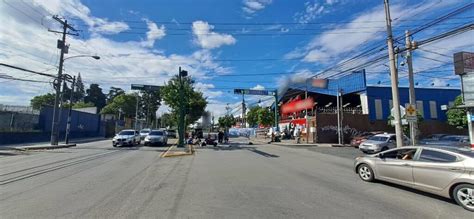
(121, 63)
(313, 10)
(154, 33)
(250, 7)
(207, 39)
(259, 87)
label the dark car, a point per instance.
(451, 141)
(171, 133)
(432, 138)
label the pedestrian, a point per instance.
(297, 135)
(220, 136)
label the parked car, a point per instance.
(156, 137)
(126, 137)
(357, 140)
(448, 172)
(381, 142)
(144, 133)
(451, 141)
(431, 138)
(171, 133)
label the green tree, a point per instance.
(113, 92)
(79, 92)
(124, 102)
(149, 103)
(405, 128)
(226, 121)
(95, 96)
(42, 100)
(266, 117)
(81, 104)
(194, 101)
(457, 117)
(252, 116)
(168, 120)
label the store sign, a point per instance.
(254, 92)
(320, 83)
(297, 106)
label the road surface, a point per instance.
(95, 180)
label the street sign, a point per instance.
(402, 111)
(254, 92)
(145, 87)
(411, 114)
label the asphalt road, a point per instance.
(95, 180)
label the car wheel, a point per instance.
(365, 172)
(114, 145)
(139, 142)
(464, 195)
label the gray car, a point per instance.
(126, 137)
(381, 142)
(448, 172)
(156, 137)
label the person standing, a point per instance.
(297, 135)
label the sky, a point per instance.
(258, 44)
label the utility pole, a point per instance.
(61, 45)
(243, 110)
(276, 110)
(306, 112)
(411, 81)
(338, 110)
(68, 126)
(182, 73)
(136, 112)
(393, 77)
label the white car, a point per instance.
(144, 133)
(156, 137)
(126, 137)
(381, 142)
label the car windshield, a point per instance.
(145, 131)
(156, 133)
(378, 138)
(126, 133)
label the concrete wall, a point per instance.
(16, 121)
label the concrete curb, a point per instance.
(177, 153)
(43, 147)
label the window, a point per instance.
(433, 110)
(436, 156)
(400, 154)
(378, 109)
(419, 107)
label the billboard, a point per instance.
(463, 63)
(297, 106)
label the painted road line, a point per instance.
(166, 152)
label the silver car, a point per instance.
(156, 137)
(126, 137)
(381, 142)
(448, 172)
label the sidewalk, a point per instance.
(47, 145)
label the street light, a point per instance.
(55, 125)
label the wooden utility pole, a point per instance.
(411, 81)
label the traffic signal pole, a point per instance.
(393, 77)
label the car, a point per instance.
(126, 137)
(447, 172)
(451, 141)
(144, 133)
(156, 137)
(171, 133)
(381, 142)
(357, 140)
(431, 138)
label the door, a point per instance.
(434, 170)
(392, 142)
(396, 166)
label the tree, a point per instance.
(167, 120)
(406, 127)
(252, 116)
(42, 100)
(149, 103)
(125, 103)
(95, 96)
(266, 117)
(457, 117)
(194, 101)
(113, 92)
(79, 91)
(226, 121)
(81, 104)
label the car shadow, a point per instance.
(419, 192)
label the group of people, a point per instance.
(294, 133)
(223, 137)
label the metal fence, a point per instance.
(18, 109)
